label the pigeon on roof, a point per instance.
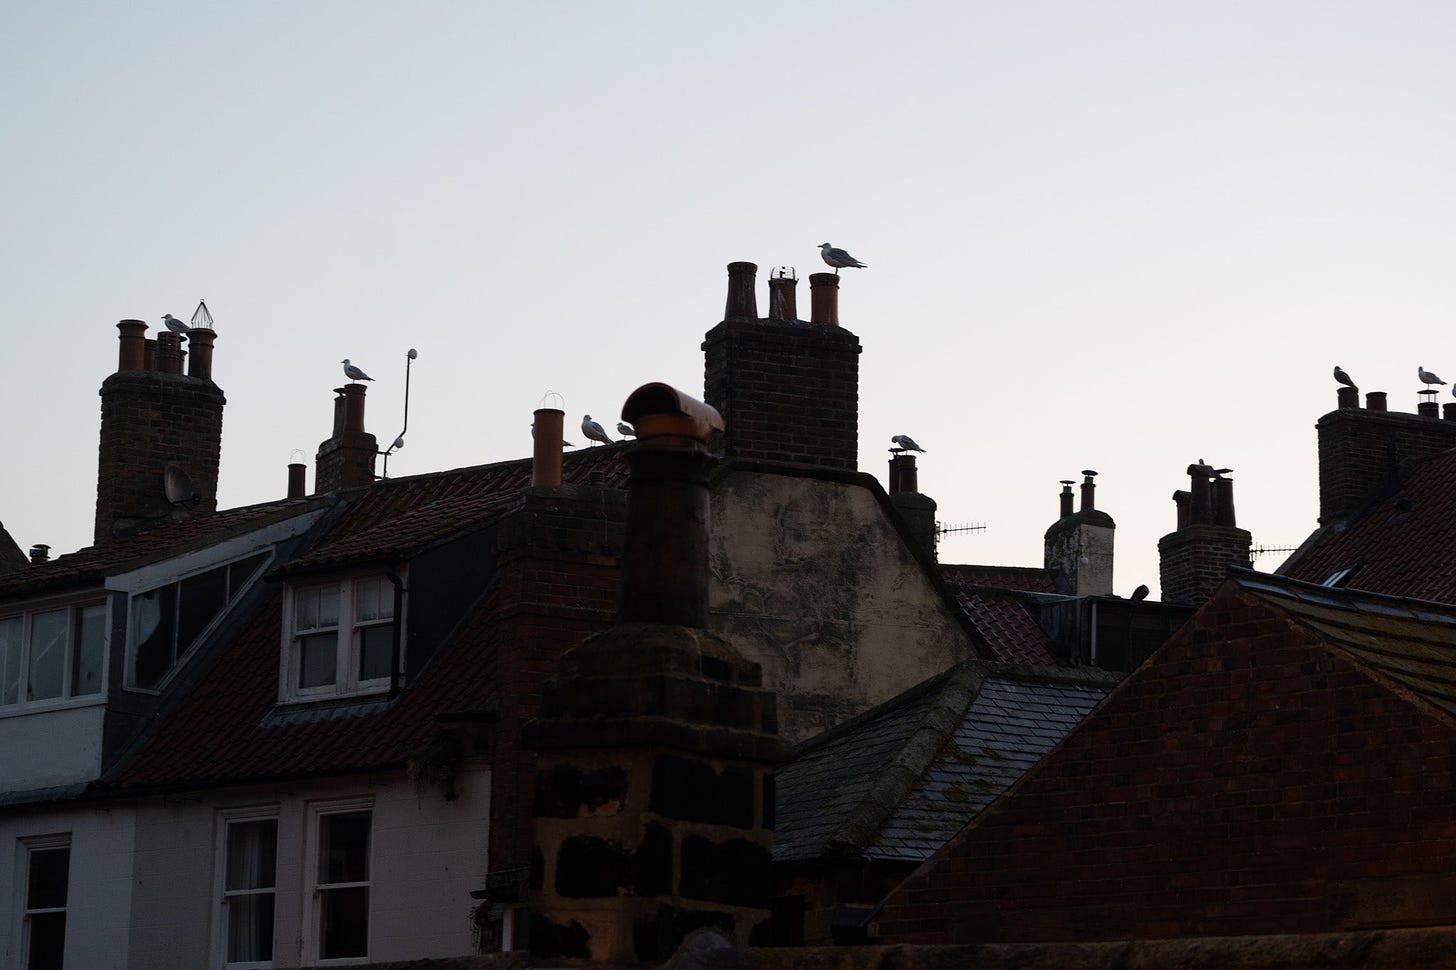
(1427, 377)
(594, 431)
(1343, 378)
(353, 373)
(626, 430)
(175, 325)
(907, 443)
(838, 258)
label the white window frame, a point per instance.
(26, 615)
(314, 891)
(225, 819)
(181, 659)
(348, 643)
(28, 846)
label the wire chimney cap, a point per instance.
(783, 273)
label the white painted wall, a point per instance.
(428, 855)
(98, 900)
(47, 749)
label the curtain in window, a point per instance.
(252, 851)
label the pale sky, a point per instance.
(1121, 236)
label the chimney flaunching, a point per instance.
(1194, 560)
(153, 414)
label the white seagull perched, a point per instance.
(838, 258)
(175, 325)
(353, 373)
(1343, 378)
(907, 443)
(626, 430)
(594, 431)
(1427, 377)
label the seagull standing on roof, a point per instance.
(1343, 378)
(838, 258)
(594, 431)
(1427, 377)
(353, 373)
(907, 443)
(626, 430)
(175, 325)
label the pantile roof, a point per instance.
(900, 780)
(1402, 546)
(1030, 579)
(1010, 631)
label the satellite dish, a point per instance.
(177, 485)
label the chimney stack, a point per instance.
(152, 415)
(788, 390)
(1077, 548)
(917, 510)
(346, 459)
(546, 445)
(1364, 454)
(664, 723)
(1195, 559)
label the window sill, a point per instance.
(330, 708)
(49, 706)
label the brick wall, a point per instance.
(1194, 561)
(149, 418)
(1361, 451)
(787, 390)
(1245, 781)
(558, 585)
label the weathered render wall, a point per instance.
(811, 580)
(48, 749)
(427, 855)
(99, 891)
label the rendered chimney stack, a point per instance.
(824, 299)
(783, 301)
(1089, 491)
(152, 415)
(1078, 547)
(346, 459)
(546, 431)
(665, 551)
(1066, 497)
(1194, 559)
(742, 301)
(297, 488)
(39, 553)
(199, 363)
(916, 510)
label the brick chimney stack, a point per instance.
(1364, 454)
(346, 459)
(151, 415)
(1078, 546)
(788, 390)
(655, 748)
(1195, 559)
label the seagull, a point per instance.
(1141, 593)
(353, 373)
(1427, 377)
(594, 431)
(626, 430)
(907, 443)
(838, 258)
(175, 325)
(1343, 378)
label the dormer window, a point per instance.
(340, 639)
(51, 656)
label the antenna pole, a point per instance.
(398, 442)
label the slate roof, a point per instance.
(1402, 546)
(899, 781)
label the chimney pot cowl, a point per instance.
(659, 410)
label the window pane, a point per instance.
(240, 572)
(252, 851)
(345, 921)
(153, 618)
(318, 656)
(250, 928)
(86, 651)
(10, 660)
(366, 600)
(47, 654)
(47, 941)
(343, 847)
(376, 651)
(329, 606)
(49, 870)
(203, 598)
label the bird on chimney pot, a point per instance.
(175, 325)
(1343, 378)
(353, 373)
(594, 431)
(906, 443)
(838, 258)
(1427, 377)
